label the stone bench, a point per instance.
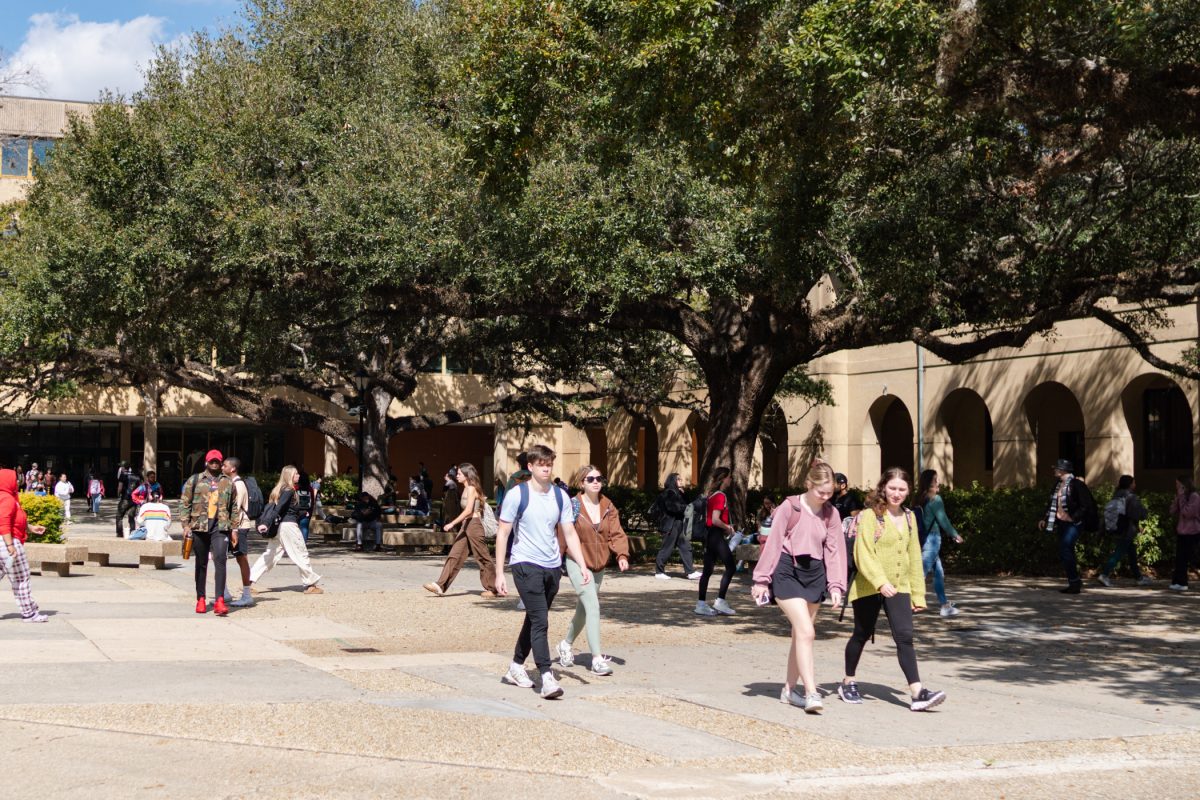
(412, 538)
(748, 553)
(100, 550)
(55, 559)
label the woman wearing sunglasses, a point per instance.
(600, 538)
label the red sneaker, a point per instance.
(219, 607)
(201, 605)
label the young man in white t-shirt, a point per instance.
(63, 491)
(536, 562)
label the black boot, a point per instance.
(1074, 587)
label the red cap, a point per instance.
(213, 455)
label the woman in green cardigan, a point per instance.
(890, 577)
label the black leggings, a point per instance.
(218, 543)
(900, 616)
(715, 547)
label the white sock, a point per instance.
(245, 592)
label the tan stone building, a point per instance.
(1001, 420)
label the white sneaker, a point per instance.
(600, 666)
(517, 676)
(694, 575)
(1177, 587)
(1107, 581)
(36, 618)
(723, 607)
(550, 687)
(813, 704)
(948, 610)
(704, 609)
(1145, 580)
(565, 657)
(662, 576)
(792, 696)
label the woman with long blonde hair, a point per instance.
(802, 563)
(282, 507)
(470, 538)
(890, 578)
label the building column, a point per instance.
(331, 456)
(1015, 460)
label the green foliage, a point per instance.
(1001, 537)
(43, 510)
(338, 489)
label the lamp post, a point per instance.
(361, 380)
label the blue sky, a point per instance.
(77, 48)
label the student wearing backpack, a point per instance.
(716, 545)
(537, 510)
(802, 562)
(471, 536)
(247, 507)
(205, 507)
(890, 578)
(601, 537)
(673, 510)
(1186, 508)
(932, 511)
(1067, 515)
(286, 507)
(1123, 515)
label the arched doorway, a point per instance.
(1056, 420)
(890, 429)
(773, 437)
(968, 424)
(647, 455)
(1160, 422)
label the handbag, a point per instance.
(490, 525)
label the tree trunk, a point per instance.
(375, 463)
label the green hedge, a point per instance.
(43, 510)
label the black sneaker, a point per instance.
(849, 693)
(1075, 587)
(927, 700)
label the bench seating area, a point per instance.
(54, 559)
(748, 553)
(101, 550)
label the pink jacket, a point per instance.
(796, 531)
(1189, 514)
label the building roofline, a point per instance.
(50, 99)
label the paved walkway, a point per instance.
(378, 689)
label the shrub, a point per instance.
(43, 510)
(338, 489)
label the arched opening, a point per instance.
(697, 438)
(773, 436)
(1056, 420)
(647, 455)
(598, 445)
(969, 425)
(890, 426)
(1160, 422)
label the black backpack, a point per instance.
(255, 502)
(699, 508)
(302, 502)
(655, 514)
(1091, 515)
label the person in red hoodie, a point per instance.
(14, 527)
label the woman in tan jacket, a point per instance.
(600, 537)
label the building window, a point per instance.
(1167, 425)
(14, 158)
(40, 149)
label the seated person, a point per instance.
(367, 514)
(154, 516)
(418, 498)
(146, 489)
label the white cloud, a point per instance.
(77, 60)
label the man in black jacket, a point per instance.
(367, 514)
(1065, 516)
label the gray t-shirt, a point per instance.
(537, 530)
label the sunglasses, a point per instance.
(594, 479)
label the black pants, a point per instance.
(673, 537)
(1185, 550)
(216, 542)
(537, 587)
(900, 616)
(715, 547)
(125, 507)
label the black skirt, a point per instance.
(799, 577)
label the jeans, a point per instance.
(376, 528)
(537, 587)
(1068, 534)
(674, 537)
(1185, 549)
(931, 560)
(900, 616)
(716, 548)
(1125, 547)
(94, 503)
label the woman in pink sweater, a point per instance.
(802, 563)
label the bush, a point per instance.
(43, 510)
(1000, 533)
(338, 489)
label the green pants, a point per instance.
(587, 606)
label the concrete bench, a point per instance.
(55, 559)
(412, 538)
(748, 553)
(100, 550)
